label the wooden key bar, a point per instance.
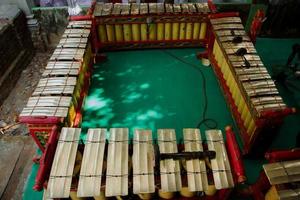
(220, 165)
(61, 174)
(169, 168)
(117, 163)
(196, 169)
(143, 160)
(92, 164)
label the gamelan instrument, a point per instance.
(250, 92)
(60, 91)
(101, 164)
(284, 178)
(148, 25)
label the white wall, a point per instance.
(24, 5)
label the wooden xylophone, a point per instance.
(121, 167)
(250, 92)
(59, 94)
(150, 25)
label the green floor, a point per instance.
(150, 89)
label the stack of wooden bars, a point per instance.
(147, 25)
(284, 178)
(105, 169)
(251, 93)
(60, 91)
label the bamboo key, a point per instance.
(61, 174)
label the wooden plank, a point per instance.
(169, 168)
(73, 43)
(220, 165)
(63, 65)
(116, 9)
(228, 27)
(98, 9)
(45, 111)
(226, 20)
(143, 162)
(107, 8)
(143, 8)
(60, 72)
(117, 163)
(125, 9)
(79, 24)
(49, 101)
(196, 170)
(56, 90)
(283, 172)
(57, 81)
(152, 8)
(169, 8)
(60, 179)
(92, 162)
(289, 194)
(135, 9)
(70, 54)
